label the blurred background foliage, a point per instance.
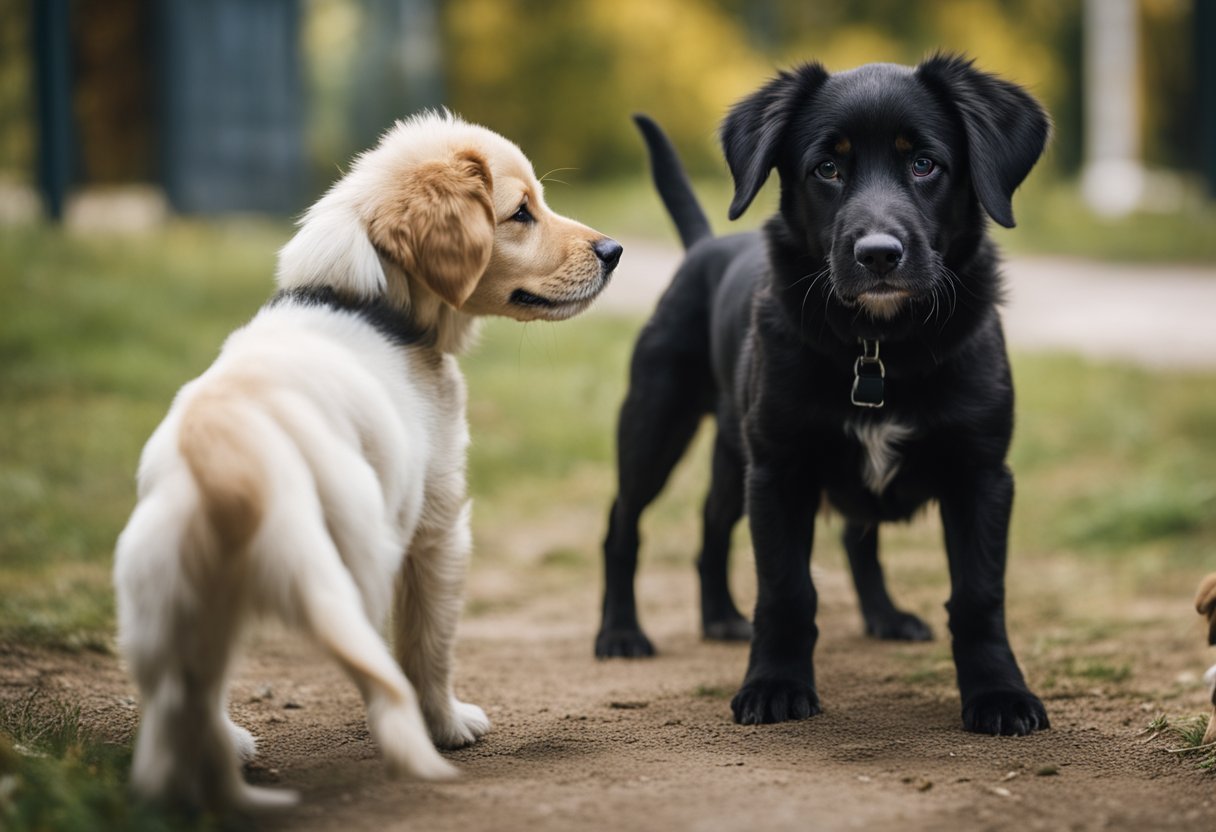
(562, 78)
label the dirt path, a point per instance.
(1148, 313)
(580, 744)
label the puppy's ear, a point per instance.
(438, 224)
(752, 132)
(1006, 128)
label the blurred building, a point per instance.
(206, 98)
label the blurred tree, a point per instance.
(562, 78)
(113, 91)
(1168, 84)
(16, 85)
(1205, 89)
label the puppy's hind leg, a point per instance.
(883, 620)
(179, 608)
(429, 595)
(720, 619)
(666, 400)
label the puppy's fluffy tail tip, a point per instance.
(406, 746)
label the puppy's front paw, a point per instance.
(774, 700)
(1005, 712)
(622, 643)
(464, 726)
(243, 741)
(897, 625)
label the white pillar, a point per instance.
(1112, 177)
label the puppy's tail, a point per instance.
(672, 184)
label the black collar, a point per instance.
(389, 320)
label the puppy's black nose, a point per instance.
(608, 250)
(880, 253)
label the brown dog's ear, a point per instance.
(439, 225)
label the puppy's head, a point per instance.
(446, 214)
(884, 170)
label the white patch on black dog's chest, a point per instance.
(879, 442)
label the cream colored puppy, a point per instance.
(315, 473)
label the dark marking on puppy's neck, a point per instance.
(389, 320)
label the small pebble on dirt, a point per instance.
(262, 694)
(628, 706)
(292, 705)
(1047, 771)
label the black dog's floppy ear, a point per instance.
(752, 131)
(1006, 128)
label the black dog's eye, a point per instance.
(923, 166)
(523, 214)
(827, 170)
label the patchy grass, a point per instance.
(1184, 736)
(1053, 219)
(56, 774)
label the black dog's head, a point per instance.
(884, 170)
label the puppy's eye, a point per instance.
(523, 214)
(923, 166)
(827, 170)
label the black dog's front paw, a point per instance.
(897, 625)
(774, 700)
(1007, 712)
(731, 628)
(622, 643)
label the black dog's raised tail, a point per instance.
(672, 184)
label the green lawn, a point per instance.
(1116, 466)
(1113, 462)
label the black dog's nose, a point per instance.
(880, 253)
(608, 250)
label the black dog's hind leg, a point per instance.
(882, 618)
(720, 619)
(662, 410)
(975, 514)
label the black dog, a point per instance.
(851, 350)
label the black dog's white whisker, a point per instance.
(825, 272)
